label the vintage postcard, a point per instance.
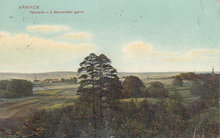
(109, 69)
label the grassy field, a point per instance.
(13, 111)
(185, 92)
(48, 99)
(150, 100)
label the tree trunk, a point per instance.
(94, 111)
(94, 104)
(100, 98)
(101, 114)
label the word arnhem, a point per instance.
(29, 7)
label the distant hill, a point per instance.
(69, 74)
(144, 75)
(38, 76)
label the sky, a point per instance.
(138, 36)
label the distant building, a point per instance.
(37, 81)
(213, 70)
(55, 81)
(47, 81)
(51, 81)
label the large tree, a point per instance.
(133, 87)
(88, 74)
(98, 78)
(108, 81)
(157, 90)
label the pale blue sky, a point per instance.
(141, 35)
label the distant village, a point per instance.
(62, 80)
(212, 75)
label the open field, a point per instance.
(47, 99)
(185, 92)
(150, 100)
(13, 110)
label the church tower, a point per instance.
(213, 71)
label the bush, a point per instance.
(189, 76)
(4, 84)
(7, 94)
(15, 88)
(197, 87)
(157, 89)
(178, 81)
(21, 87)
(133, 87)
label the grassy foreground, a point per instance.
(48, 99)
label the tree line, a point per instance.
(15, 88)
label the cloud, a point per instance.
(142, 51)
(182, 58)
(47, 28)
(200, 54)
(25, 50)
(137, 50)
(81, 35)
(204, 51)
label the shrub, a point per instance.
(4, 84)
(7, 94)
(189, 76)
(15, 88)
(21, 87)
(157, 89)
(178, 81)
(197, 87)
(133, 87)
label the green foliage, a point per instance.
(175, 103)
(7, 94)
(207, 89)
(175, 112)
(133, 87)
(113, 91)
(204, 124)
(83, 106)
(98, 78)
(72, 79)
(195, 108)
(210, 92)
(133, 129)
(178, 81)
(146, 113)
(21, 87)
(157, 89)
(16, 88)
(4, 84)
(126, 119)
(197, 87)
(188, 76)
(52, 123)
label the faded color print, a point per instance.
(109, 69)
